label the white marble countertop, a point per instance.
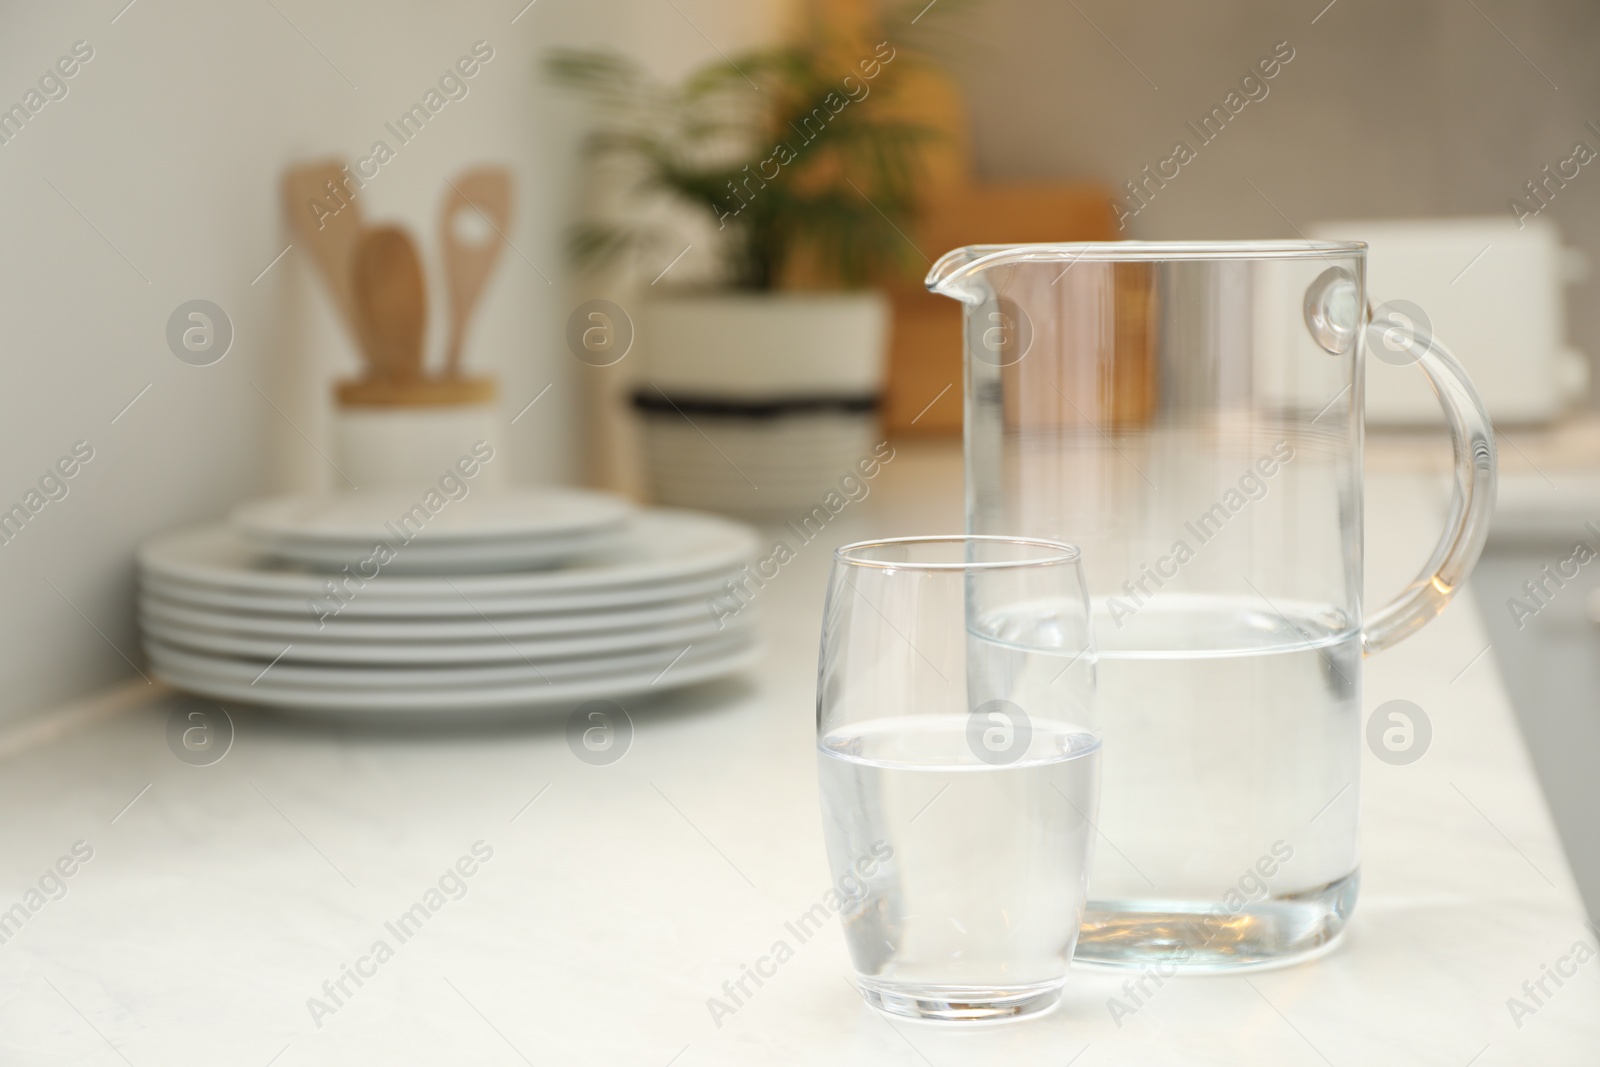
(218, 900)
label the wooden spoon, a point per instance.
(325, 219)
(391, 299)
(480, 200)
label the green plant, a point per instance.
(795, 150)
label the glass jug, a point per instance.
(1190, 415)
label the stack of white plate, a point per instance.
(640, 611)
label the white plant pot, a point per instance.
(412, 447)
(759, 404)
(766, 344)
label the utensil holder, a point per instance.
(401, 436)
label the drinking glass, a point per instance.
(959, 767)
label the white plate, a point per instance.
(450, 557)
(264, 676)
(454, 606)
(358, 519)
(304, 625)
(660, 545)
(421, 702)
(495, 650)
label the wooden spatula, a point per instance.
(391, 300)
(326, 221)
(472, 232)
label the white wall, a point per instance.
(155, 180)
(1390, 108)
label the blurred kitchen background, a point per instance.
(151, 176)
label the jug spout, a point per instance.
(964, 274)
(955, 273)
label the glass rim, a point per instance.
(1273, 248)
(966, 261)
(1060, 552)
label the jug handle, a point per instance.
(1472, 500)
